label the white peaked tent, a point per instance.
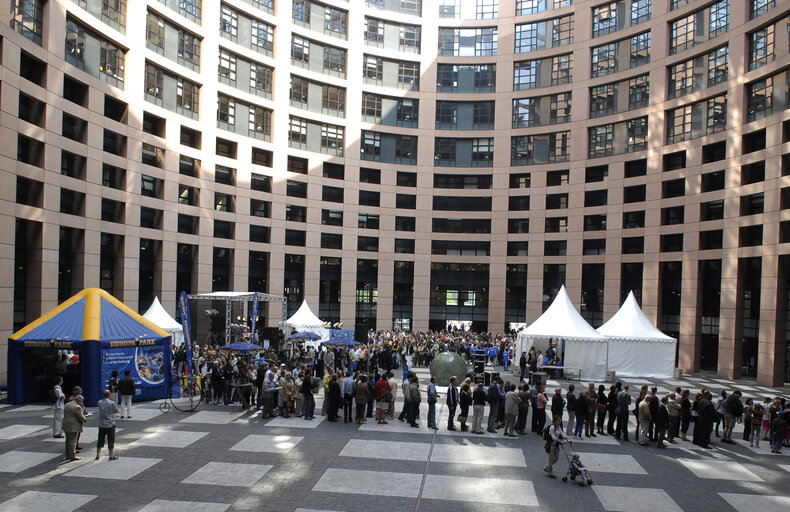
(636, 347)
(584, 347)
(157, 314)
(305, 320)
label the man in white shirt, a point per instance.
(58, 407)
(557, 438)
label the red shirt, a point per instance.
(378, 389)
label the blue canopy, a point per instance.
(304, 336)
(342, 338)
(241, 346)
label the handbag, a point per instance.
(387, 395)
(462, 419)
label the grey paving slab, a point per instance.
(122, 469)
(29, 408)
(480, 490)
(89, 435)
(229, 474)
(46, 501)
(260, 443)
(18, 461)
(752, 502)
(141, 414)
(634, 499)
(611, 463)
(184, 506)
(15, 431)
(375, 483)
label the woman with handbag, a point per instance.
(603, 401)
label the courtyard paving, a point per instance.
(221, 458)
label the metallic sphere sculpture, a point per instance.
(447, 364)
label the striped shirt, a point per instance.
(107, 410)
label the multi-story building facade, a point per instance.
(407, 163)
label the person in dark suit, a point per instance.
(73, 419)
(452, 403)
(705, 419)
(333, 395)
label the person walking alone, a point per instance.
(57, 408)
(107, 412)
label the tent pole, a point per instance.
(227, 321)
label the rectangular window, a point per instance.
(334, 61)
(561, 68)
(602, 100)
(638, 92)
(28, 19)
(604, 19)
(640, 49)
(561, 31)
(262, 37)
(300, 50)
(525, 75)
(604, 60)
(761, 47)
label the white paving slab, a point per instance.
(14, 431)
(752, 502)
(122, 469)
(228, 474)
(266, 444)
(633, 380)
(46, 501)
(184, 506)
(170, 438)
(611, 463)
(312, 510)
(763, 449)
(377, 483)
(30, 408)
(18, 461)
(396, 426)
(680, 383)
(293, 422)
(366, 448)
(140, 414)
(786, 467)
(719, 470)
(599, 439)
(635, 499)
(480, 490)
(212, 417)
(479, 455)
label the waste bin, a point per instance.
(610, 376)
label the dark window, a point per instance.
(750, 236)
(633, 245)
(331, 241)
(634, 194)
(633, 220)
(368, 243)
(714, 152)
(520, 180)
(369, 198)
(32, 110)
(187, 224)
(597, 173)
(753, 204)
(34, 70)
(151, 186)
(334, 171)
(72, 165)
(404, 246)
(405, 223)
(150, 218)
(711, 239)
(518, 203)
(368, 221)
(406, 201)
(188, 195)
(753, 173)
(188, 166)
(672, 243)
(332, 217)
(672, 215)
(29, 192)
(225, 175)
(113, 177)
(555, 248)
(713, 181)
(595, 222)
(595, 198)
(296, 189)
(675, 161)
(153, 155)
(406, 179)
(367, 175)
(636, 168)
(114, 143)
(262, 157)
(471, 204)
(30, 151)
(754, 141)
(297, 165)
(154, 125)
(260, 234)
(332, 194)
(227, 148)
(294, 237)
(673, 188)
(74, 91)
(223, 229)
(260, 208)
(556, 225)
(294, 213)
(712, 210)
(261, 183)
(518, 226)
(71, 202)
(556, 201)
(594, 246)
(556, 178)
(518, 248)
(191, 138)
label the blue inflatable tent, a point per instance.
(108, 335)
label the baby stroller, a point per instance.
(575, 468)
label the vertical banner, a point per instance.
(254, 316)
(183, 305)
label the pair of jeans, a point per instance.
(431, 414)
(348, 406)
(755, 435)
(411, 414)
(309, 407)
(493, 410)
(579, 432)
(451, 418)
(622, 426)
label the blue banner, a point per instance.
(254, 316)
(148, 366)
(183, 305)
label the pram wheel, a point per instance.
(565, 479)
(573, 477)
(589, 482)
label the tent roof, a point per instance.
(561, 320)
(237, 296)
(92, 314)
(630, 323)
(304, 317)
(157, 314)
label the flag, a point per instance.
(183, 305)
(254, 315)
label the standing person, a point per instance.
(611, 405)
(557, 438)
(581, 415)
(522, 366)
(432, 398)
(778, 427)
(685, 414)
(623, 404)
(557, 403)
(673, 411)
(115, 396)
(465, 401)
(452, 403)
(414, 400)
(361, 395)
(570, 398)
(58, 407)
(325, 384)
(706, 411)
(478, 408)
(511, 410)
(592, 404)
(334, 397)
(347, 388)
(754, 426)
(541, 410)
(603, 402)
(523, 409)
(381, 388)
(394, 390)
(654, 405)
(662, 422)
(127, 388)
(307, 391)
(642, 395)
(107, 412)
(733, 409)
(644, 419)
(492, 395)
(73, 419)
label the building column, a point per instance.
(688, 342)
(729, 349)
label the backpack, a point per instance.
(52, 396)
(546, 435)
(492, 394)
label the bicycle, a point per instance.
(190, 390)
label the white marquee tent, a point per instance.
(305, 320)
(156, 313)
(636, 347)
(584, 347)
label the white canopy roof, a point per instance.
(630, 323)
(304, 318)
(561, 320)
(157, 314)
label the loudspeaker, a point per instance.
(274, 335)
(361, 333)
(479, 362)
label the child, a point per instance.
(757, 419)
(577, 465)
